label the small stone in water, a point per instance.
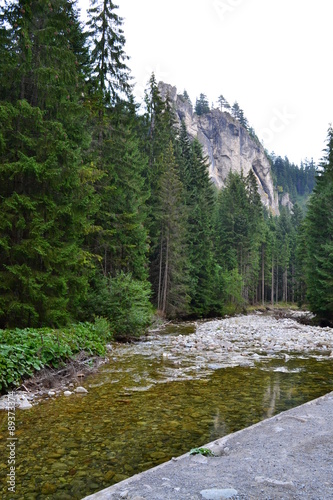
(25, 405)
(81, 389)
(67, 393)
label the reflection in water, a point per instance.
(272, 395)
(132, 419)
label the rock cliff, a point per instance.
(227, 144)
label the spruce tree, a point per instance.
(319, 239)
(110, 75)
(284, 245)
(172, 279)
(202, 105)
(199, 199)
(45, 187)
(120, 236)
(240, 235)
(223, 102)
(158, 136)
(255, 258)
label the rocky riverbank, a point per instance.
(245, 339)
(205, 346)
(51, 382)
(242, 341)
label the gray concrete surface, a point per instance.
(288, 456)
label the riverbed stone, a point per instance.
(109, 475)
(24, 405)
(48, 488)
(81, 390)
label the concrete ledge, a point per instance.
(288, 456)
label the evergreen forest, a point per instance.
(108, 214)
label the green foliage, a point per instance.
(299, 182)
(199, 201)
(110, 75)
(202, 105)
(238, 113)
(120, 237)
(130, 309)
(44, 214)
(232, 285)
(171, 262)
(206, 452)
(186, 97)
(96, 200)
(22, 352)
(123, 301)
(318, 240)
(239, 230)
(223, 102)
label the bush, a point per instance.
(123, 301)
(22, 352)
(130, 308)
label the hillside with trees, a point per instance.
(107, 213)
(299, 182)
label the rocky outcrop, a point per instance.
(227, 145)
(285, 201)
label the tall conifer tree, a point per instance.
(110, 74)
(199, 200)
(44, 184)
(319, 239)
(172, 280)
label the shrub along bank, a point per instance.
(25, 351)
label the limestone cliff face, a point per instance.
(227, 144)
(285, 201)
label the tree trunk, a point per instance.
(165, 278)
(293, 284)
(159, 292)
(285, 285)
(272, 293)
(263, 275)
(277, 283)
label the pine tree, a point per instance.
(110, 75)
(319, 239)
(186, 97)
(45, 188)
(158, 132)
(199, 199)
(202, 105)
(223, 102)
(256, 241)
(172, 279)
(284, 244)
(120, 236)
(240, 234)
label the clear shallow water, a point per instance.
(136, 416)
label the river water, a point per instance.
(155, 400)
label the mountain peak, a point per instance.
(227, 144)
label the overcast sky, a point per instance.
(272, 56)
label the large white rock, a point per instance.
(81, 390)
